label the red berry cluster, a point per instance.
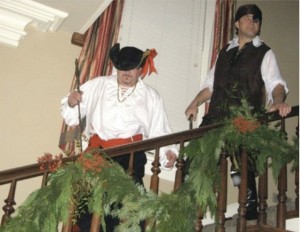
(243, 125)
(48, 162)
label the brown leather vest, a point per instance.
(237, 76)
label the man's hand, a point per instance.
(284, 109)
(191, 112)
(279, 95)
(201, 97)
(74, 98)
(171, 156)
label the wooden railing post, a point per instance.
(179, 170)
(262, 197)
(154, 183)
(241, 221)
(10, 201)
(222, 193)
(156, 170)
(282, 188)
(95, 226)
(199, 225)
(281, 206)
(67, 227)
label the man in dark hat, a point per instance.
(245, 68)
(120, 109)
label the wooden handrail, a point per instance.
(274, 116)
(33, 170)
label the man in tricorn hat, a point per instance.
(245, 68)
(121, 109)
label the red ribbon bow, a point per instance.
(149, 64)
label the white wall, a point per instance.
(33, 79)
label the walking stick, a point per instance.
(191, 122)
(77, 75)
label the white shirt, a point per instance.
(142, 112)
(269, 70)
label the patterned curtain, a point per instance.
(94, 61)
(224, 26)
(223, 29)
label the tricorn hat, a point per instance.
(131, 57)
(248, 9)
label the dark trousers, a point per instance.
(84, 222)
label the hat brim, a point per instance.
(127, 58)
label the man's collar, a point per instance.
(234, 43)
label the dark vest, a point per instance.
(237, 76)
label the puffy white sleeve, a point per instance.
(71, 114)
(271, 74)
(160, 126)
(209, 80)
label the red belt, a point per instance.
(96, 141)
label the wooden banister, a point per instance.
(12, 176)
(33, 170)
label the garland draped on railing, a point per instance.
(103, 183)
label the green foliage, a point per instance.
(107, 189)
(204, 175)
(46, 207)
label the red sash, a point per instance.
(96, 141)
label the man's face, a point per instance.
(129, 77)
(247, 26)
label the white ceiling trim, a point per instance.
(104, 4)
(15, 15)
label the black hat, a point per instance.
(127, 58)
(249, 9)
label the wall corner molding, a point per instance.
(15, 15)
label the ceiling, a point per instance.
(46, 15)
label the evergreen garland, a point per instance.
(100, 183)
